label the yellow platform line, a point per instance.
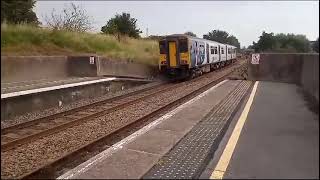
(224, 160)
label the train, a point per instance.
(183, 56)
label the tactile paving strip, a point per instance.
(190, 156)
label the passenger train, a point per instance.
(184, 56)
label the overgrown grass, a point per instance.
(28, 40)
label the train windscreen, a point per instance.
(183, 45)
(162, 47)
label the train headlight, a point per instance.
(184, 62)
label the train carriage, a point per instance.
(187, 56)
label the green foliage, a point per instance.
(315, 46)
(16, 12)
(30, 40)
(190, 34)
(268, 42)
(222, 37)
(122, 25)
(233, 41)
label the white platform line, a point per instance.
(32, 91)
(108, 152)
(41, 80)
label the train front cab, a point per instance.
(174, 58)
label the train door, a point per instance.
(215, 53)
(219, 50)
(223, 54)
(232, 52)
(207, 49)
(227, 53)
(173, 54)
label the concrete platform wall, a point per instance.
(14, 106)
(24, 68)
(111, 67)
(276, 67)
(102, 66)
(310, 75)
(297, 68)
(80, 66)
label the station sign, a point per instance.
(91, 59)
(255, 59)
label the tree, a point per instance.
(315, 46)
(251, 46)
(122, 25)
(233, 41)
(190, 33)
(16, 12)
(217, 35)
(268, 42)
(222, 37)
(72, 18)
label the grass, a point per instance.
(29, 40)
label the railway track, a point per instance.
(51, 131)
(14, 136)
(19, 134)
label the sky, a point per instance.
(244, 19)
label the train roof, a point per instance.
(196, 38)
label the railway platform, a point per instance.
(19, 98)
(9, 87)
(12, 89)
(236, 129)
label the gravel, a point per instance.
(240, 73)
(30, 156)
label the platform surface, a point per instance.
(280, 138)
(8, 87)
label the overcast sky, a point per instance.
(244, 19)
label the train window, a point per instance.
(212, 50)
(222, 51)
(162, 47)
(215, 50)
(183, 45)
